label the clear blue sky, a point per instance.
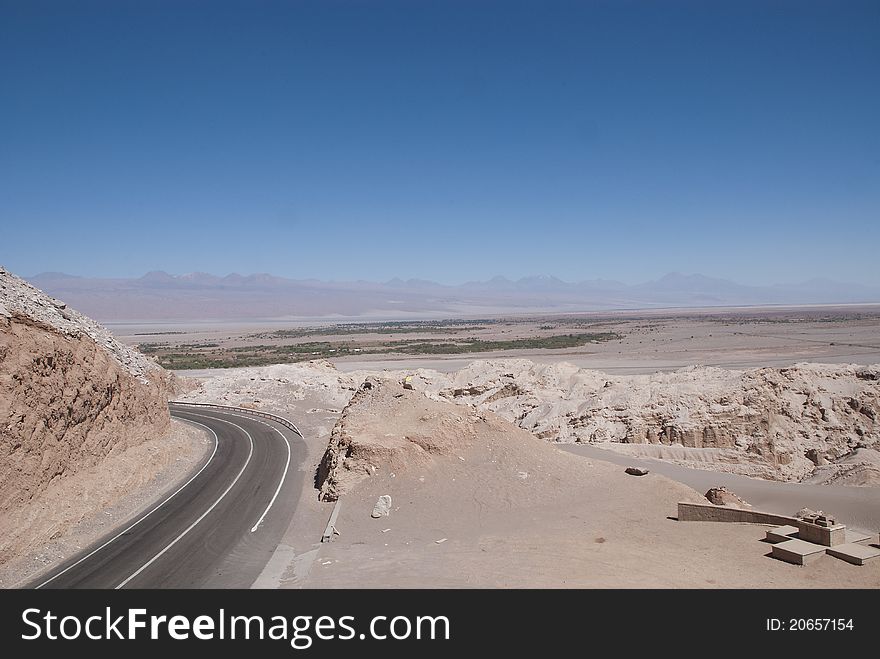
(442, 140)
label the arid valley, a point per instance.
(502, 396)
(496, 451)
(423, 328)
(661, 366)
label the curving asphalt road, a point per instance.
(216, 530)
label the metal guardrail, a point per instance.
(266, 415)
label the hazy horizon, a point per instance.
(444, 141)
(402, 278)
(199, 296)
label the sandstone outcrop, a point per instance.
(721, 496)
(802, 422)
(70, 394)
(776, 423)
(361, 442)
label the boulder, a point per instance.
(815, 456)
(382, 507)
(721, 496)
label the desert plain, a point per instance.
(495, 449)
(505, 465)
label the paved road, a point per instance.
(218, 529)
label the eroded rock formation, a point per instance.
(70, 394)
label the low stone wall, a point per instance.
(708, 512)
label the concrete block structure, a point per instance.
(796, 540)
(797, 552)
(853, 553)
(819, 529)
(822, 530)
(782, 533)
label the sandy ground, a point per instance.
(77, 510)
(601, 532)
(857, 507)
(484, 504)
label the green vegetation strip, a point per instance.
(212, 356)
(412, 327)
(557, 342)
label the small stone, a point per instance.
(636, 471)
(382, 507)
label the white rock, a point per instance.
(382, 507)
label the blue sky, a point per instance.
(442, 140)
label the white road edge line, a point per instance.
(280, 483)
(204, 514)
(129, 528)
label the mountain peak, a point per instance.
(678, 276)
(198, 277)
(158, 275)
(54, 276)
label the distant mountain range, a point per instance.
(159, 296)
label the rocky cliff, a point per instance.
(816, 421)
(70, 394)
(776, 423)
